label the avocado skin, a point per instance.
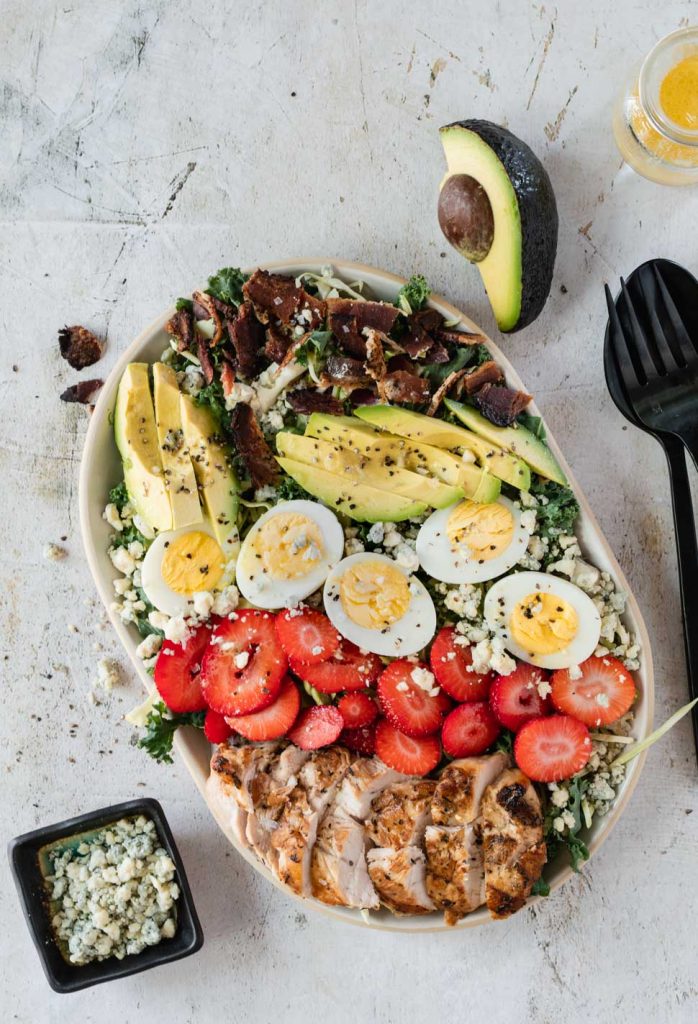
(537, 208)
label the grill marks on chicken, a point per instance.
(352, 832)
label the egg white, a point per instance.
(437, 557)
(157, 591)
(262, 591)
(505, 594)
(408, 635)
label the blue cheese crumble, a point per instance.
(115, 894)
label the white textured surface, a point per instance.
(142, 147)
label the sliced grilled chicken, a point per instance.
(278, 780)
(460, 788)
(366, 778)
(400, 814)
(236, 781)
(399, 878)
(296, 827)
(338, 866)
(512, 834)
(455, 878)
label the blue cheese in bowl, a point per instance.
(112, 893)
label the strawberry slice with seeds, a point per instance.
(603, 693)
(409, 707)
(216, 729)
(348, 669)
(362, 741)
(450, 663)
(244, 664)
(551, 749)
(317, 727)
(412, 755)
(516, 698)
(275, 720)
(306, 635)
(470, 729)
(177, 672)
(357, 709)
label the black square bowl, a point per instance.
(24, 854)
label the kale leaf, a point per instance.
(540, 888)
(183, 304)
(119, 496)
(438, 372)
(532, 423)
(213, 398)
(558, 515)
(413, 295)
(227, 284)
(160, 728)
(315, 345)
(289, 490)
(505, 742)
(569, 837)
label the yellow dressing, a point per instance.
(192, 562)
(678, 93)
(374, 594)
(486, 530)
(288, 546)
(543, 623)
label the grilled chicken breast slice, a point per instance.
(513, 845)
(400, 814)
(366, 778)
(278, 780)
(455, 878)
(235, 782)
(461, 786)
(399, 879)
(338, 869)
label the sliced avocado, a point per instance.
(367, 469)
(517, 439)
(137, 440)
(497, 208)
(214, 473)
(347, 431)
(433, 431)
(176, 462)
(357, 501)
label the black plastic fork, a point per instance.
(651, 364)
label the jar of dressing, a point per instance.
(655, 120)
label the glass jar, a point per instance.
(656, 131)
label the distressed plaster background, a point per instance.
(142, 146)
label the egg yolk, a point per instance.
(543, 623)
(192, 562)
(486, 530)
(678, 93)
(288, 546)
(373, 594)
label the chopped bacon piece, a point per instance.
(276, 346)
(347, 319)
(84, 392)
(251, 446)
(451, 337)
(364, 396)
(443, 390)
(204, 354)
(345, 371)
(376, 366)
(227, 377)
(401, 386)
(80, 347)
(200, 311)
(274, 296)
(487, 373)
(421, 333)
(308, 400)
(500, 405)
(247, 336)
(181, 327)
(214, 313)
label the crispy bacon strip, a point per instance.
(247, 336)
(348, 318)
(401, 386)
(451, 337)
(500, 405)
(278, 297)
(276, 345)
(345, 371)
(375, 363)
(204, 354)
(487, 373)
(181, 327)
(80, 347)
(308, 400)
(212, 307)
(251, 446)
(443, 390)
(84, 392)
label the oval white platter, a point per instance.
(101, 469)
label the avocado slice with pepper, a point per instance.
(497, 209)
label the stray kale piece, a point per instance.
(532, 423)
(119, 496)
(413, 295)
(227, 284)
(184, 304)
(481, 354)
(213, 398)
(160, 727)
(540, 888)
(559, 514)
(505, 742)
(314, 347)
(289, 490)
(127, 536)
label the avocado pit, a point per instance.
(465, 216)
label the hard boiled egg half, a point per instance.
(543, 620)
(288, 553)
(377, 604)
(470, 542)
(182, 563)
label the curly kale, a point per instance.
(559, 513)
(289, 490)
(119, 496)
(569, 838)
(183, 304)
(227, 284)
(413, 295)
(213, 398)
(160, 728)
(315, 347)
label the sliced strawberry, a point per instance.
(362, 741)
(470, 729)
(317, 727)
(306, 635)
(515, 699)
(450, 663)
(243, 667)
(603, 693)
(551, 749)
(412, 755)
(275, 720)
(216, 729)
(177, 671)
(410, 708)
(357, 709)
(347, 669)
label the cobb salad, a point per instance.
(351, 558)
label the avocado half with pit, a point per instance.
(497, 208)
